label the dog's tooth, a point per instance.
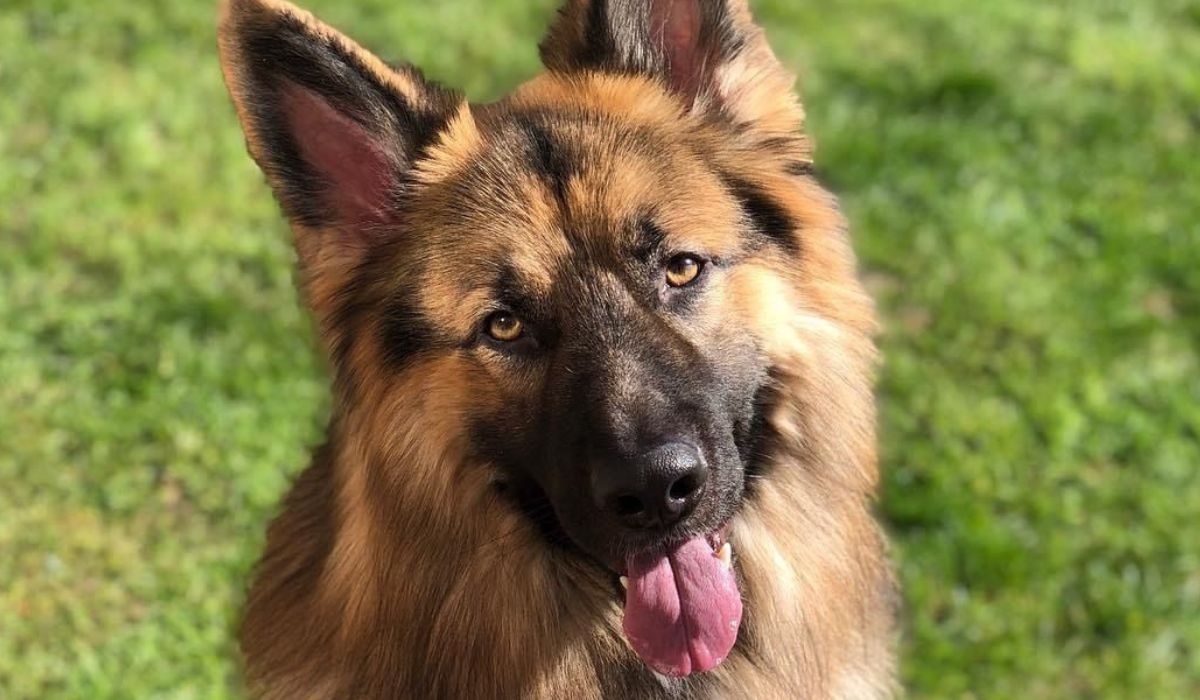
(725, 554)
(625, 582)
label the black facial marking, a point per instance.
(550, 158)
(790, 146)
(781, 144)
(765, 214)
(799, 168)
(755, 440)
(491, 443)
(508, 288)
(403, 332)
(534, 504)
(346, 318)
(650, 239)
(352, 306)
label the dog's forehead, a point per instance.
(547, 189)
(590, 165)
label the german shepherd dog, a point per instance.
(603, 423)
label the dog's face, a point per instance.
(595, 261)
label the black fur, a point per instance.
(800, 168)
(597, 39)
(403, 332)
(549, 156)
(616, 37)
(767, 217)
(650, 240)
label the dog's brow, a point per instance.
(548, 157)
(509, 289)
(650, 237)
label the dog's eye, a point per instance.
(683, 269)
(504, 327)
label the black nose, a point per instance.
(658, 489)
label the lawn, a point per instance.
(1024, 184)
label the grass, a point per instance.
(1023, 183)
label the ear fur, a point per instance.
(709, 53)
(334, 128)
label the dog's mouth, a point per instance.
(682, 604)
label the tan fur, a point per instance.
(395, 571)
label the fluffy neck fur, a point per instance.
(397, 570)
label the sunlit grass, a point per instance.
(1022, 181)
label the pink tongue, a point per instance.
(682, 610)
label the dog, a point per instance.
(603, 421)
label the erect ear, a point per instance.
(335, 129)
(708, 52)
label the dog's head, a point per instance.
(599, 268)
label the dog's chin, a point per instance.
(678, 588)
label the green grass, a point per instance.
(1025, 191)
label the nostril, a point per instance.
(628, 505)
(654, 490)
(683, 487)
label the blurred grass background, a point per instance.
(1022, 179)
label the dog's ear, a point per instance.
(708, 52)
(335, 129)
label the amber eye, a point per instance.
(682, 270)
(504, 327)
